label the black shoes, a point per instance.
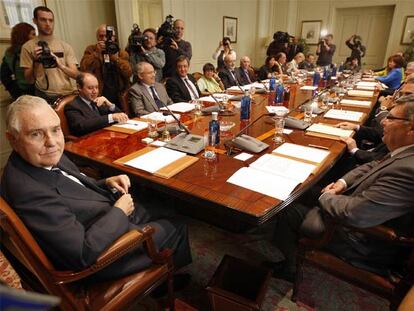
(280, 270)
(181, 281)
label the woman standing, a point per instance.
(222, 51)
(12, 75)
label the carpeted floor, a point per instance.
(319, 291)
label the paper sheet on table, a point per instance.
(360, 93)
(269, 184)
(366, 88)
(282, 166)
(346, 115)
(365, 83)
(180, 107)
(218, 96)
(354, 102)
(133, 125)
(279, 110)
(158, 116)
(155, 160)
(246, 87)
(329, 130)
(308, 87)
(302, 152)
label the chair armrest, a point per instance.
(386, 234)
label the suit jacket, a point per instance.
(365, 156)
(83, 120)
(74, 223)
(241, 76)
(177, 89)
(141, 101)
(227, 78)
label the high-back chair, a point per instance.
(37, 273)
(59, 106)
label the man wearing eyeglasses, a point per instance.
(378, 192)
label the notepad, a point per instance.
(366, 88)
(358, 93)
(310, 154)
(356, 103)
(159, 117)
(327, 131)
(180, 107)
(365, 83)
(133, 125)
(278, 110)
(346, 115)
(308, 88)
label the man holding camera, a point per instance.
(146, 51)
(325, 51)
(108, 63)
(48, 62)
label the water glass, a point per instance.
(224, 99)
(252, 90)
(279, 126)
(307, 113)
(197, 107)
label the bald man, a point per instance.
(111, 67)
(245, 73)
(228, 73)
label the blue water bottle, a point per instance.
(245, 107)
(214, 129)
(334, 70)
(341, 67)
(272, 83)
(325, 73)
(316, 78)
(279, 94)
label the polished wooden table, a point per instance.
(203, 184)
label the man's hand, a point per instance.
(174, 45)
(350, 143)
(120, 117)
(102, 101)
(334, 188)
(100, 45)
(37, 52)
(347, 125)
(126, 204)
(120, 183)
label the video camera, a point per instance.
(167, 31)
(111, 47)
(136, 39)
(282, 37)
(46, 58)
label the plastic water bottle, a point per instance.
(214, 129)
(316, 78)
(341, 67)
(272, 83)
(279, 94)
(245, 107)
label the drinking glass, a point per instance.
(252, 91)
(307, 113)
(225, 99)
(197, 107)
(152, 129)
(279, 126)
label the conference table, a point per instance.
(203, 185)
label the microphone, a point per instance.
(182, 126)
(269, 114)
(264, 84)
(219, 108)
(215, 99)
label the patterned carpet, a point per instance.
(319, 291)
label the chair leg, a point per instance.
(298, 277)
(170, 285)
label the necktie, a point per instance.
(156, 99)
(233, 74)
(193, 93)
(94, 107)
(247, 76)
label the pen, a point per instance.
(317, 146)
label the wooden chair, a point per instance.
(38, 274)
(59, 106)
(125, 103)
(311, 252)
(197, 75)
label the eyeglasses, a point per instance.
(391, 117)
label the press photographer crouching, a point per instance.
(108, 63)
(142, 48)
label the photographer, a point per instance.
(279, 44)
(294, 48)
(358, 50)
(108, 63)
(145, 51)
(325, 51)
(51, 64)
(171, 41)
(223, 49)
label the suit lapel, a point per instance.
(149, 97)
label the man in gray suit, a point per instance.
(378, 192)
(147, 95)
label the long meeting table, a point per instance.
(204, 184)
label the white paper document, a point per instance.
(243, 156)
(365, 83)
(133, 125)
(158, 116)
(366, 88)
(358, 103)
(359, 93)
(346, 115)
(329, 130)
(180, 107)
(302, 152)
(154, 160)
(278, 110)
(308, 88)
(246, 87)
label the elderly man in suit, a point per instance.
(378, 192)
(74, 218)
(147, 95)
(182, 87)
(89, 112)
(228, 74)
(245, 73)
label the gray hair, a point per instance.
(408, 102)
(410, 65)
(23, 103)
(141, 67)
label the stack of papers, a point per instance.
(329, 130)
(155, 160)
(272, 175)
(364, 83)
(346, 115)
(308, 87)
(359, 93)
(356, 103)
(159, 117)
(246, 87)
(180, 107)
(132, 125)
(314, 155)
(218, 96)
(278, 110)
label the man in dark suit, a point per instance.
(228, 73)
(245, 73)
(378, 192)
(182, 87)
(74, 218)
(147, 95)
(88, 112)
(294, 48)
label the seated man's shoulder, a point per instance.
(73, 104)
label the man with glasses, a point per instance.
(378, 192)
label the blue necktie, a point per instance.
(156, 99)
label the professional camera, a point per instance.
(136, 39)
(167, 31)
(111, 47)
(46, 58)
(282, 37)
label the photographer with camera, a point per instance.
(223, 49)
(357, 49)
(142, 48)
(108, 63)
(294, 48)
(48, 62)
(325, 51)
(171, 41)
(279, 44)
